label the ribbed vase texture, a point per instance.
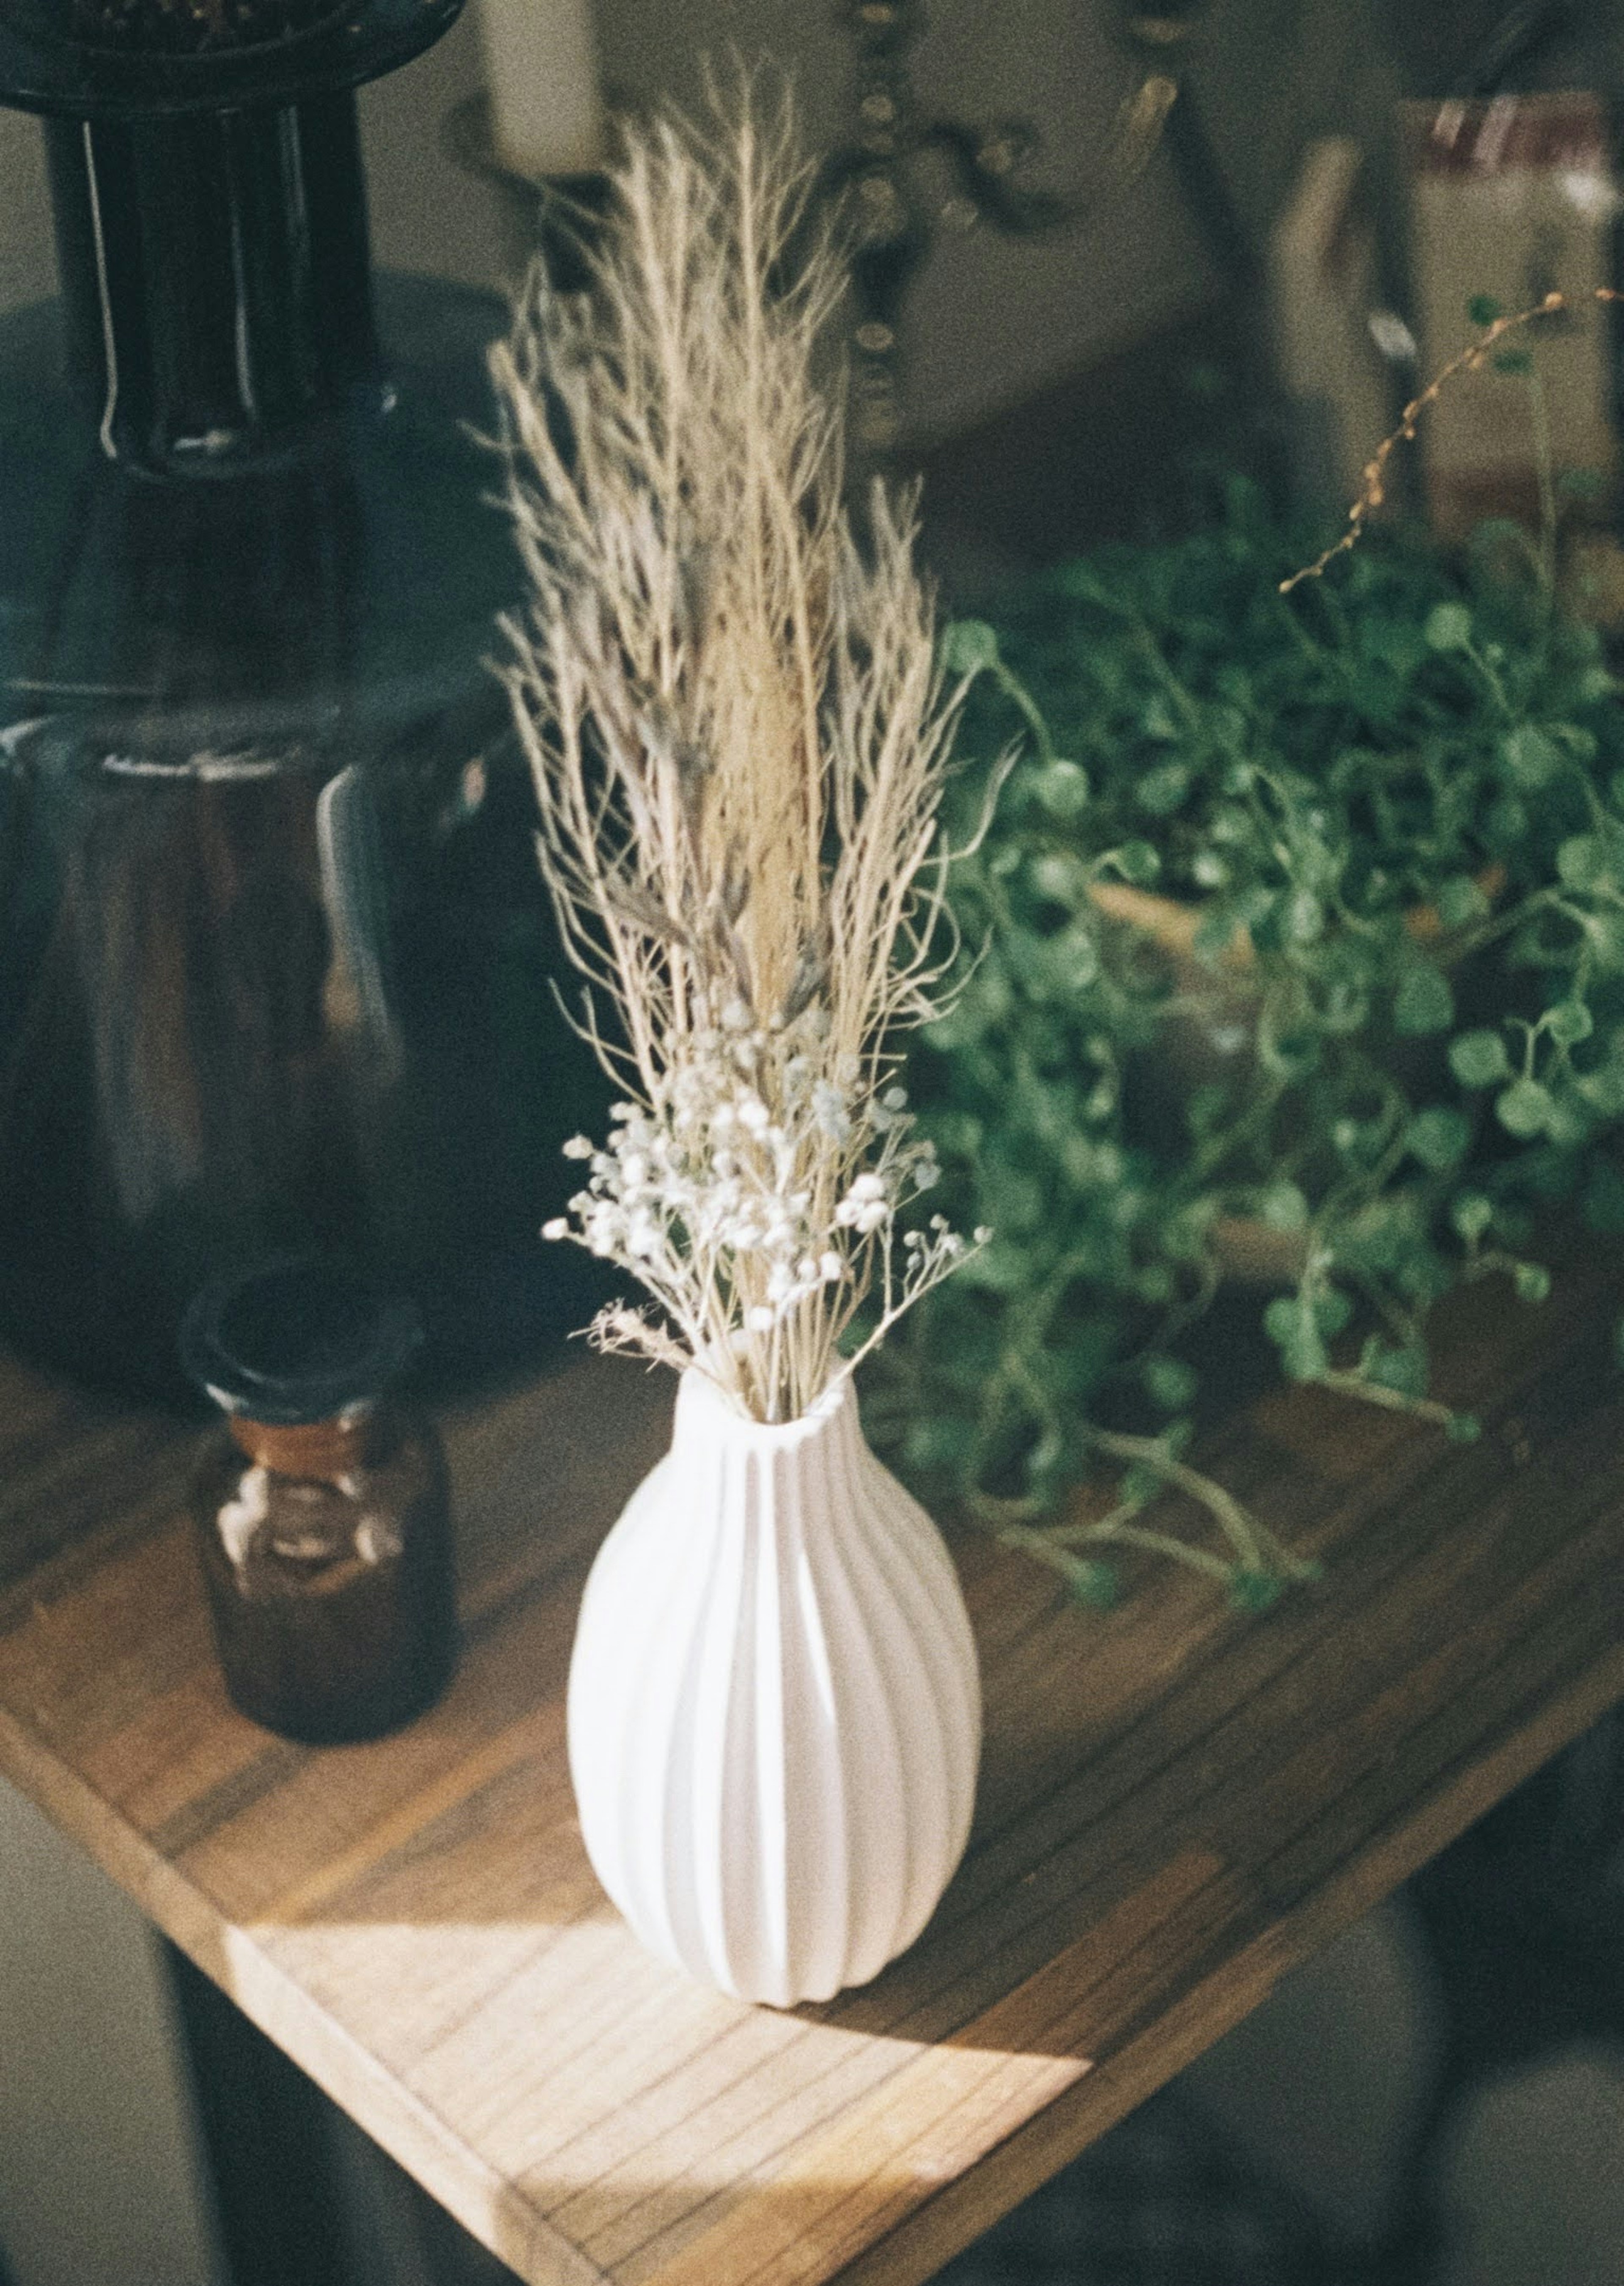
(774, 1707)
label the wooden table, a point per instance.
(1178, 1804)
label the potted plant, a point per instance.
(1296, 948)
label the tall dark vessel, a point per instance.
(274, 958)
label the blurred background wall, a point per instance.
(989, 320)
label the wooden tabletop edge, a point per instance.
(423, 2143)
(955, 2215)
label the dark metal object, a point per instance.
(1468, 52)
(1517, 43)
(893, 217)
(1161, 38)
(273, 953)
(45, 66)
(894, 214)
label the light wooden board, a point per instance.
(1178, 1804)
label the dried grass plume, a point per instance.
(738, 730)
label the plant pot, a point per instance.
(1198, 1049)
(774, 1705)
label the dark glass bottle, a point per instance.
(274, 959)
(322, 1515)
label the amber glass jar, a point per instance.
(321, 1509)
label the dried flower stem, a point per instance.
(737, 731)
(1373, 490)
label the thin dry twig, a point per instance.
(1373, 489)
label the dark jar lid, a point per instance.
(297, 1340)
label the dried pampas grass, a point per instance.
(738, 732)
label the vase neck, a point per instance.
(216, 277)
(704, 1417)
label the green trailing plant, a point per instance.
(1295, 950)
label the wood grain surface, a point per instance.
(1178, 1804)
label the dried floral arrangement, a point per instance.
(1301, 931)
(739, 729)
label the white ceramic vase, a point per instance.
(774, 1707)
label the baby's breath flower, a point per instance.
(744, 1180)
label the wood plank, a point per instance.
(1178, 1804)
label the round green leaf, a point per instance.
(1093, 1584)
(939, 1442)
(1424, 1002)
(1570, 1021)
(1602, 1090)
(1438, 1137)
(1170, 1383)
(1448, 628)
(1138, 864)
(1584, 860)
(1157, 719)
(1478, 1058)
(1605, 935)
(1283, 1207)
(1472, 1214)
(1059, 876)
(1505, 822)
(1461, 902)
(1391, 1367)
(1161, 790)
(1524, 1110)
(1304, 916)
(1061, 787)
(1529, 755)
(1255, 1591)
(968, 647)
